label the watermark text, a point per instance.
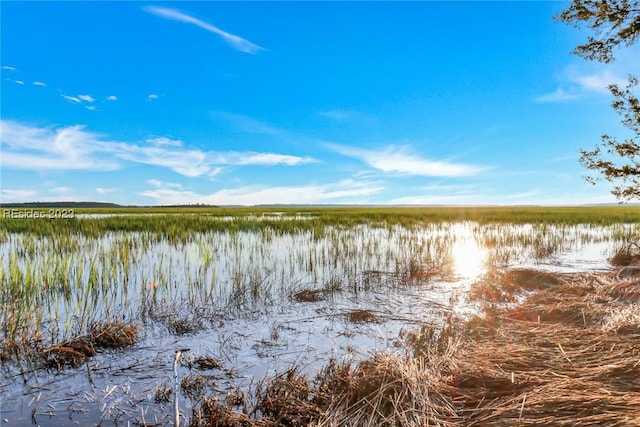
(38, 214)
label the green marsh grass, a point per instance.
(178, 223)
(58, 277)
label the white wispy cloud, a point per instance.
(66, 148)
(248, 124)
(162, 141)
(214, 172)
(153, 97)
(73, 147)
(112, 98)
(557, 95)
(8, 68)
(188, 162)
(251, 125)
(43, 84)
(103, 190)
(20, 82)
(262, 159)
(580, 84)
(235, 41)
(398, 160)
(10, 195)
(163, 184)
(597, 82)
(349, 190)
(73, 99)
(87, 98)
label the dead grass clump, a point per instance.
(388, 391)
(532, 280)
(234, 399)
(574, 313)
(577, 365)
(623, 291)
(626, 255)
(193, 385)
(309, 295)
(287, 399)
(204, 363)
(500, 287)
(184, 326)
(362, 316)
(418, 272)
(10, 350)
(211, 413)
(429, 340)
(624, 320)
(68, 353)
(385, 391)
(163, 394)
(113, 334)
(493, 289)
(34, 348)
(528, 373)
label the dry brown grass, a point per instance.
(362, 316)
(180, 326)
(162, 394)
(566, 355)
(113, 334)
(387, 390)
(204, 363)
(68, 353)
(212, 413)
(309, 295)
(499, 287)
(627, 254)
(579, 364)
(71, 352)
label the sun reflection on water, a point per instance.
(468, 258)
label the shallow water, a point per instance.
(237, 292)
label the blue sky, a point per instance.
(314, 102)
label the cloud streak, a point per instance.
(68, 148)
(167, 194)
(235, 41)
(398, 160)
(9, 195)
(74, 148)
(558, 95)
(581, 85)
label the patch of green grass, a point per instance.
(179, 223)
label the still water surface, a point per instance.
(232, 296)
